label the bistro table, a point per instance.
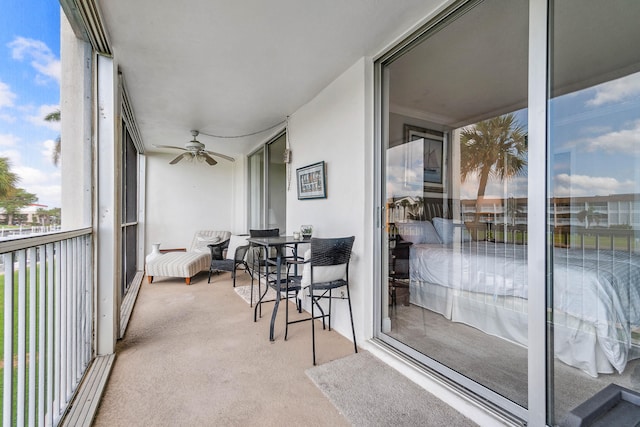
(278, 243)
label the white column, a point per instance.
(537, 227)
(107, 229)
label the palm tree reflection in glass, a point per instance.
(495, 147)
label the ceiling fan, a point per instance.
(195, 150)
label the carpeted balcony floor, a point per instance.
(192, 356)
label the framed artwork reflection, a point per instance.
(434, 156)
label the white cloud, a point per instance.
(9, 118)
(585, 185)
(8, 140)
(6, 95)
(49, 195)
(42, 59)
(616, 90)
(620, 141)
(38, 118)
(29, 176)
(47, 149)
(44, 185)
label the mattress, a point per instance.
(484, 284)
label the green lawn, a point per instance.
(15, 336)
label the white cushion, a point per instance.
(418, 232)
(321, 274)
(202, 236)
(234, 243)
(445, 228)
(202, 242)
(178, 264)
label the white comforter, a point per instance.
(600, 288)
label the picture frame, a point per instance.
(434, 156)
(312, 181)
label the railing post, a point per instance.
(7, 404)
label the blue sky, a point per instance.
(30, 89)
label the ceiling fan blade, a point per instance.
(213, 153)
(170, 146)
(208, 158)
(177, 159)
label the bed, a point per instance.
(484, 284)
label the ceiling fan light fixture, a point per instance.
(195, 151)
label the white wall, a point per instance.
(186, 197)
(333, 127)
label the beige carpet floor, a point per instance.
(192, 356)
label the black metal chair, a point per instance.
(326, 269)
(231, 263)
(260, 264)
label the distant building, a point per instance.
(28, 215)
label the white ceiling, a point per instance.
(234, 67)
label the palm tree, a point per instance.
(405, 204)
(55, 117)
(8, 179)
(588, 216)
(420, 209)
(496, 147)
(513, 210)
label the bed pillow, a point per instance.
(418, 232)
(445, 228)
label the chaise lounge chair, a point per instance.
(187, 264)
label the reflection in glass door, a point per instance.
(256, 189)
(276, 179)
(455, 150)
(594, 201)
(129, 226)
(267, 186)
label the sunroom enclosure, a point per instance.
(484, 196)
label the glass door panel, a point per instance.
(594, 201)
(256, 189)
(277, 195)
(129, 226)
(455, 189)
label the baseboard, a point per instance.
(84, 406)
(126, 308)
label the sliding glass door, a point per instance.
(594, 200)
(461, 188)
(267, 186)
(456, 181)
(129, 194)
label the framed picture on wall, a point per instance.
(311, 182)
(433, 158)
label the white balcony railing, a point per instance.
(47, 323)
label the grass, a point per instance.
(15, 339)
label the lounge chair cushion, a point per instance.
(179, 264)
(187, 264)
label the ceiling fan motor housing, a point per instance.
(194, 145)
